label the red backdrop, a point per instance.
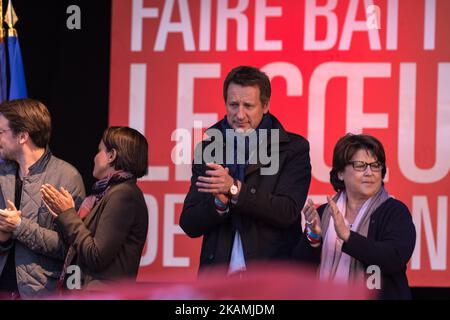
(380, 67)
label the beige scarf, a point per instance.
(330, 257)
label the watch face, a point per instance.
(234, 190)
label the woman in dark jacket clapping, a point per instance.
(107, 235)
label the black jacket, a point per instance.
(389, 244)
(269, 206)
(110, 239)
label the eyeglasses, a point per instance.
(362, 166)
(3, 131)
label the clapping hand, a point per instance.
(312, 217)
(217, 182)
(9, 219)
(342, 230)
(56, 201)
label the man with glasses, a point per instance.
(31, 250)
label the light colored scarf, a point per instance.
(336, 265)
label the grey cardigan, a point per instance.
(39, 248)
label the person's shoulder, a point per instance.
(126, 192)
(297, 139)
(395, 204)
(7, 167)
(204, 143)
(201, 156)
(211, 135)
(127, 188)
(393, 209)
(62, 167)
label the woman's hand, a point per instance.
(56, 201)
(342, 230)
(312, 217)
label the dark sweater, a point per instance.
(389, 244)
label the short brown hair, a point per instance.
(248, 77)
(29, 115)
(345, 149)
(131, 148)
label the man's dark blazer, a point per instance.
(110, 240)
(269, 206)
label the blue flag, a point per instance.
(3, 95)
(18, 87)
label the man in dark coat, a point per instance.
(249, 181)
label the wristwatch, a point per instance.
(233, 189)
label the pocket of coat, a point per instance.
(45, 218)
(44, 274)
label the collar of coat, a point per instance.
(276, 124)
(10, 167)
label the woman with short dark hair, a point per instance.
(361, 225)
(107, 235)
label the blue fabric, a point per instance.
(237, 171)
(237, 260)
(17, 88)
(3, 95)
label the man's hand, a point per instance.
(342, 230)
(9, 218)
(218, 181)
(56, 201)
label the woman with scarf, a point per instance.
(107, 234)
(361, 226)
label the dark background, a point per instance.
(68, 70)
